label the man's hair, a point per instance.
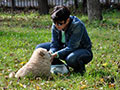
(60, 13)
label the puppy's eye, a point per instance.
(41, 54)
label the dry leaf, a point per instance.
(102, 80)
(1, 74)
(23, 62)
(111, 85)
(6, 77)
(21, 84)
(83, 87)
(83, 82)
(37, 87)
(105, 64)
(95, 87)
(24, 86)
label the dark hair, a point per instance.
(60, 13)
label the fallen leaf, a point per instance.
(6, 77)
(83, 87)
(37, 87)
(21, 84)
(105, 64)
(102, 80)
(1, 74)
(95, 87)
(22, 63)
(24, 86)
(83, 82)
(111, 85)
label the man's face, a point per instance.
(61, 25)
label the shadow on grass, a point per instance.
(107, 76)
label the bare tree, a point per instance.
(43, 6)
(94, 10)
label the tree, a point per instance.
(13, 4)
(76, 4)
(107, 4)
(94, 10)
(43, 6)
(84, 6)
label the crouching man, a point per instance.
(70, 42)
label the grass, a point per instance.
(21, 32)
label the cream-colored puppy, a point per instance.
(38, 65)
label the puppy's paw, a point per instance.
(12, 75)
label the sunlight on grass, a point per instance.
(21, 32)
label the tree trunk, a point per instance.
(43, 6)
(76, 4)
(107, 4)
(84, 7)
(13, 5)
(94, 10)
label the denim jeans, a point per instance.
(75, 59)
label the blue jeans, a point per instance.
(76, 59)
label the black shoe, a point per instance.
(81, 70)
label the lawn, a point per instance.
(21, 32)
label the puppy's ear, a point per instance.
(41, 53)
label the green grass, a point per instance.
(21, 32)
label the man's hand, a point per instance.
(53, 56)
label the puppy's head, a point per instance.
(43, 53)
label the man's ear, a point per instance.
(68, 20)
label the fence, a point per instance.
(34, 3)
(110, 1)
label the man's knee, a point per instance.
(71, 61)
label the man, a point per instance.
(70, 41)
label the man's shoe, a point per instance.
(62, 69)
(81, 70)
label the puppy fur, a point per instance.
(38, 65)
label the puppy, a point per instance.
(38, 65)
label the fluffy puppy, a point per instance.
(38, 65)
